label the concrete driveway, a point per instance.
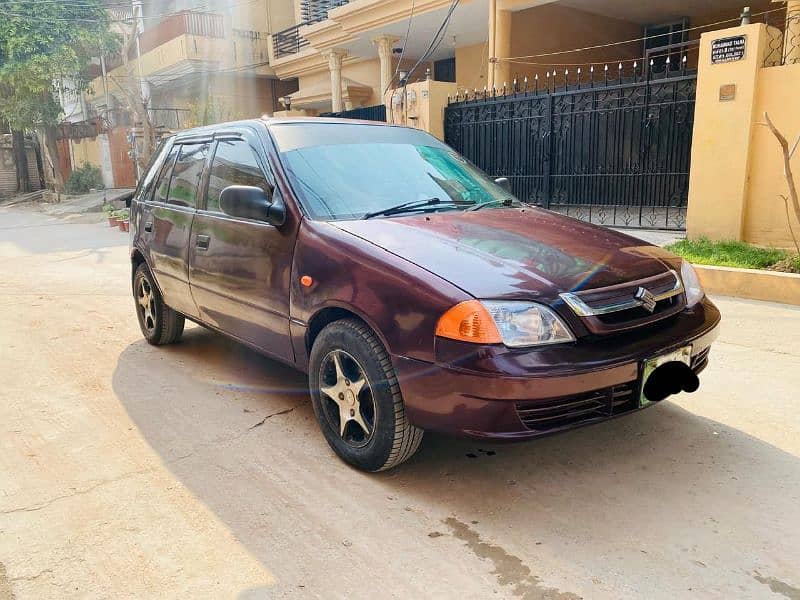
(198, 470)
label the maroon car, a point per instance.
(415, 292)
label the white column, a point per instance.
(335, 57)
(385, 43)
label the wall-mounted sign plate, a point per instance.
(727, 92)
(729, 49)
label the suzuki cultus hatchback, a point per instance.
(417, 293)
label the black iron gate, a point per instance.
(613, 149)
(366, 113)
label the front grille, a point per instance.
(559, 413)
(616, 308)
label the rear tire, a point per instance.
(350, 364)
(160, 324)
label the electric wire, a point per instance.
(633, 40)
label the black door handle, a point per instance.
(148, 226)
(202, 242)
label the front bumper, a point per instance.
(512, 395)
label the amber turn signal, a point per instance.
(306, 281)
(469, 322)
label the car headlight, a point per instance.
(692, 285)
(515, 324)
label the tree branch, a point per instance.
(787, 172)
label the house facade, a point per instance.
(194, 61)
(605, 110)
(644, 114)
(344, 54)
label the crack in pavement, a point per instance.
(94, 486)
(6, 593)
(275, 414)
(31, 577)
(749, 347)
(234, 437)
(97, 484)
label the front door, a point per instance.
(239, 268)
(169, 223)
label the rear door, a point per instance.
(239, 269)
(170, 222)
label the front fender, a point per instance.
(400, 301)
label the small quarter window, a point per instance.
(162, 183)
(187, 174)
(145, 187)
(234, 164)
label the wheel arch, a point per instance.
(332, 313)
(138, 258)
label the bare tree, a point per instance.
(787, 173)
(133, 97)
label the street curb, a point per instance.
(750, 283)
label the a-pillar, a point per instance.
(385, 43)
(335, 57)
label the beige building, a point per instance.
(623, 159)
(634, 114)
(344, 54)
(195, 61)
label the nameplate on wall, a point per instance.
(727, 92)
(729, 49)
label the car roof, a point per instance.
(209, 130)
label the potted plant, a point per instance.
(123, 216)
(109, 210)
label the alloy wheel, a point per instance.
(347, 398)
(146, 301)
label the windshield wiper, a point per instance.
(504, 202)
(410, 206)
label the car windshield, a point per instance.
(343, 171)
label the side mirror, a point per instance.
(504, 183)
(248, 202)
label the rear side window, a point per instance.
(162, 183)
(187, 174)
(145, 188)
(234, 164)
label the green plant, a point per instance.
(86, 178)
(108, 209)
(733, 254)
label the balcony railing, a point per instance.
(317, 10)
(192, 23)
(289, 41)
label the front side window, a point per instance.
(352, 174)
(187, 174)
(162, 183)
(234, 163)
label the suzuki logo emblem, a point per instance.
(647, 299)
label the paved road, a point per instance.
(198, 470)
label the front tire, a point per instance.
(159, 323)
(357, 398)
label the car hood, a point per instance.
(514, 253)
